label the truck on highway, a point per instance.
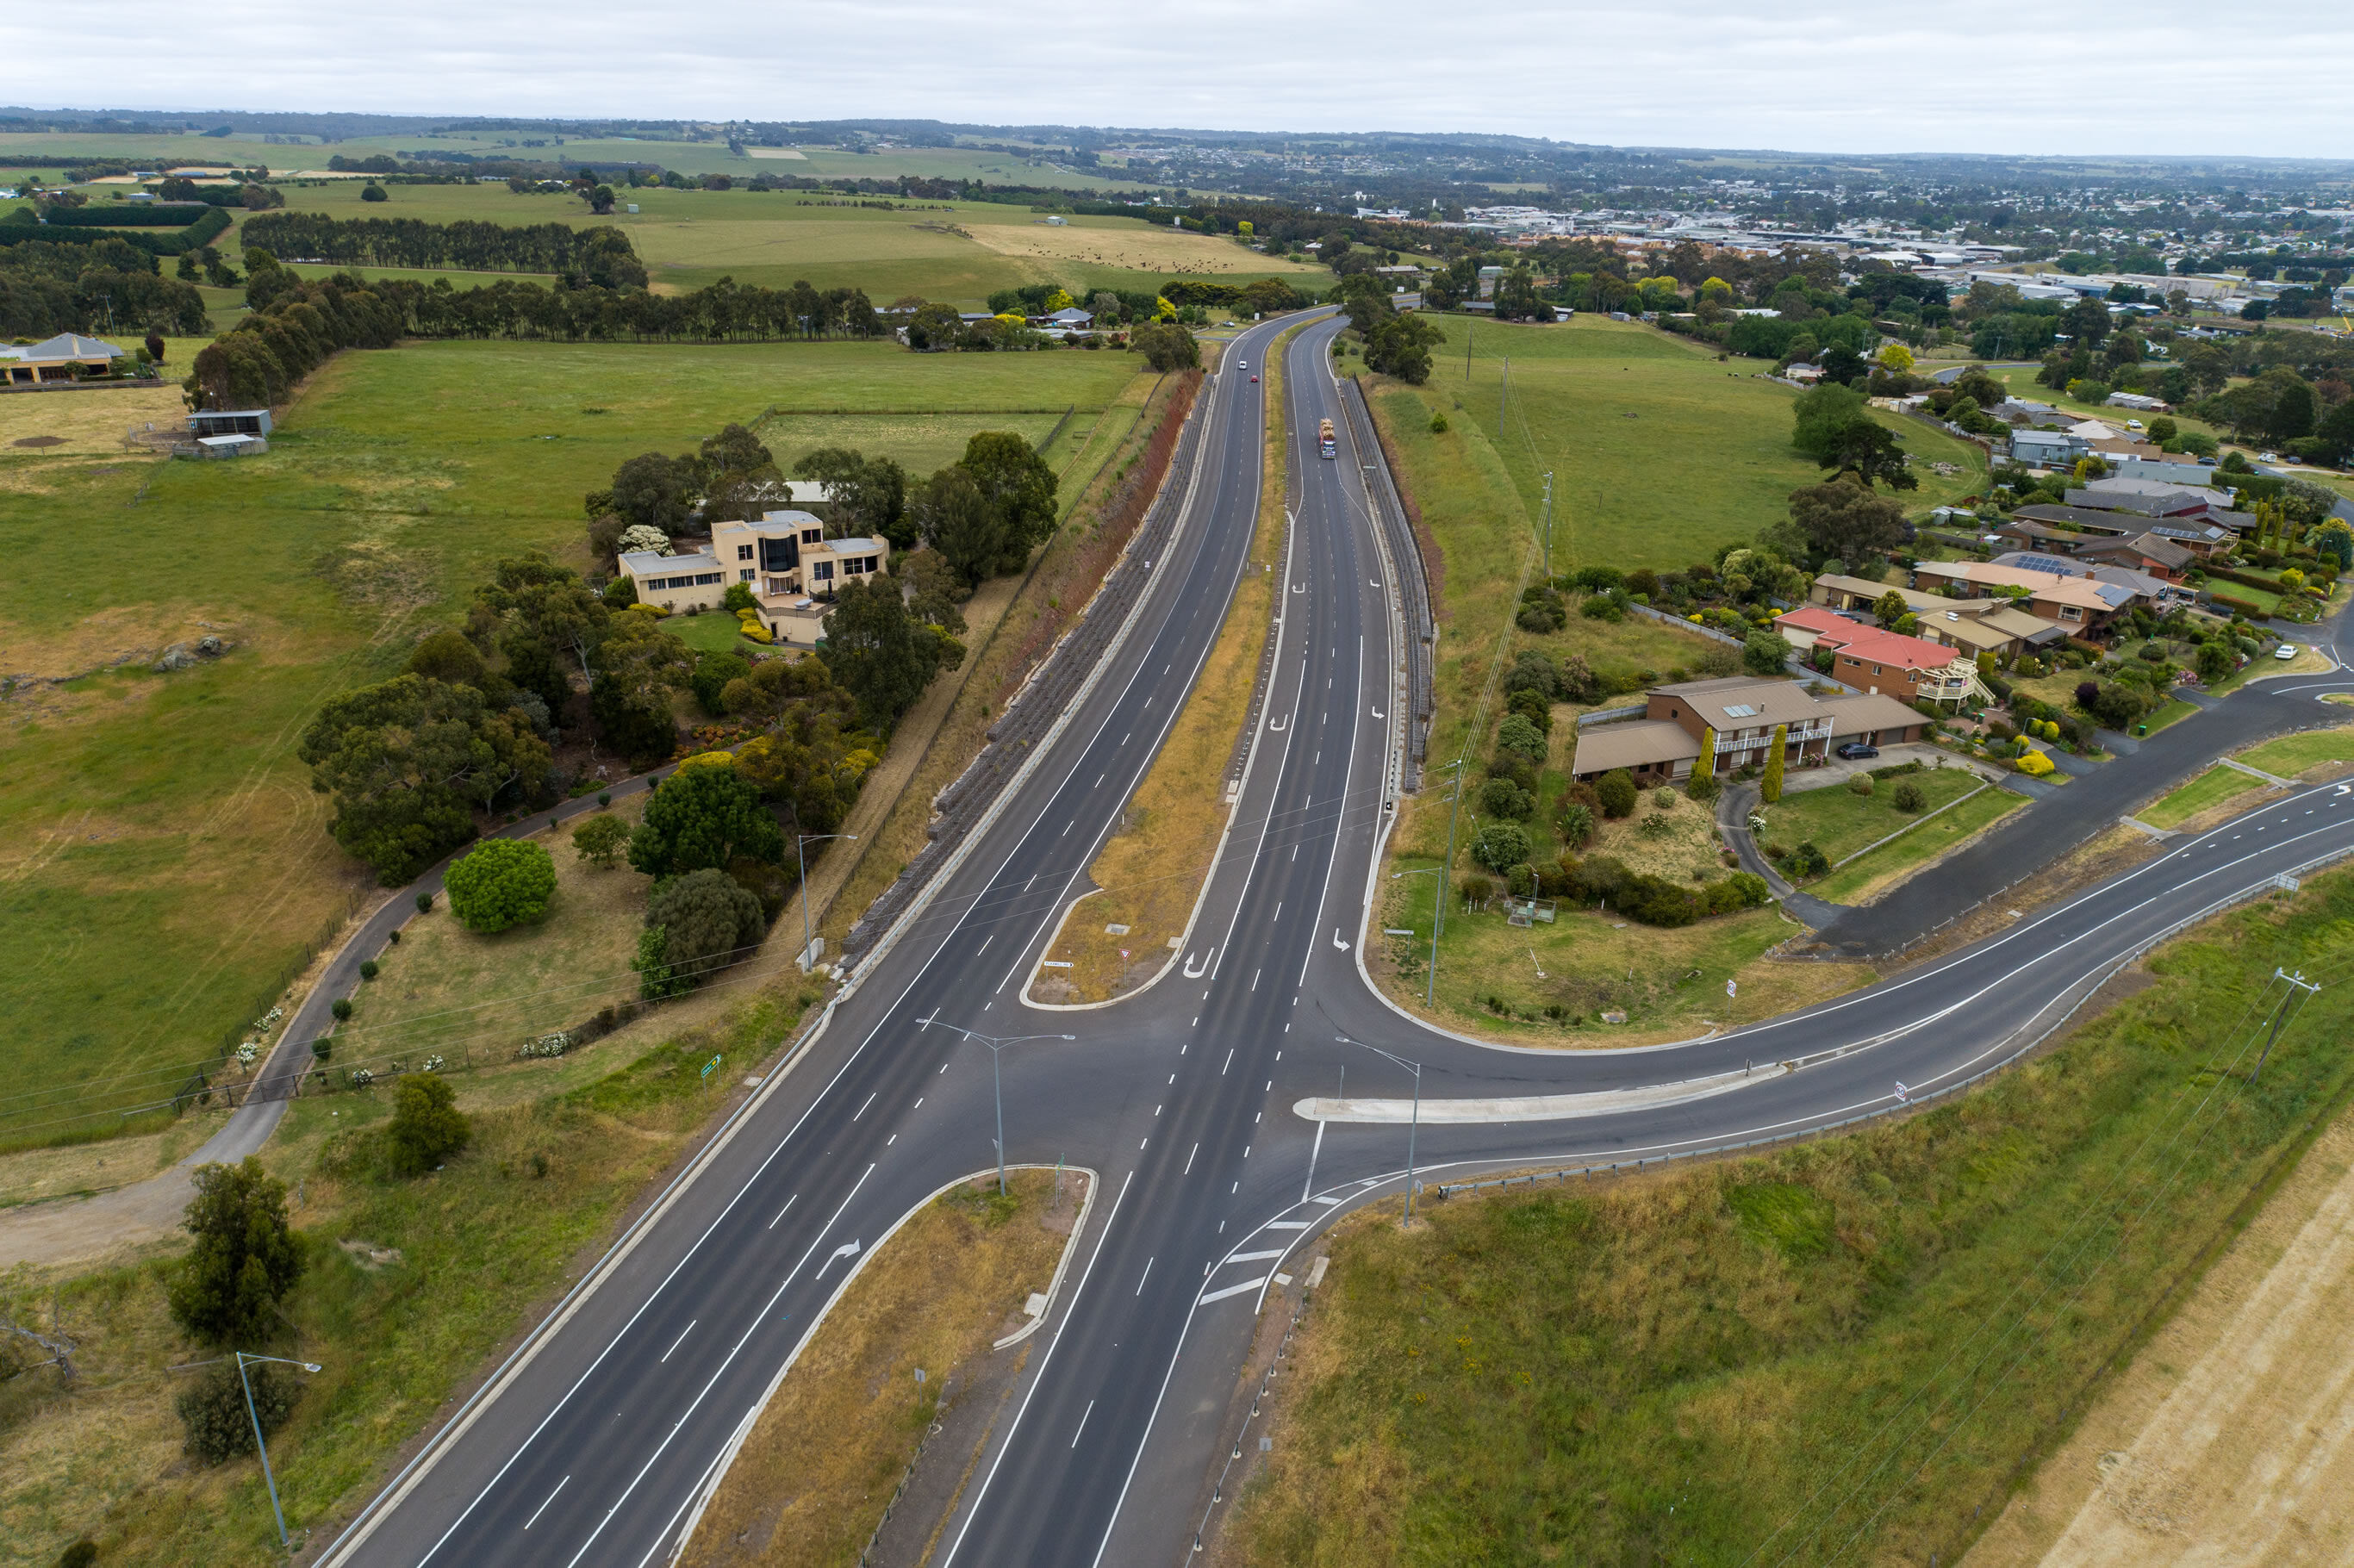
(1324, 440)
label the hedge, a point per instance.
(196, 236)
(2249, 579)
(150, 215)
(2253, 611)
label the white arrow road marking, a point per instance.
(1336, 940)
(847, 1249)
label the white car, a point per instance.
(2284, 653)
(2133, 424)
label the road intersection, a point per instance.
(597, 1440)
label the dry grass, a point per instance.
(812, 1481)
(1116, 242)
(1151, 869)
(1684, 849)
(30, 1175)
(2226, 1441)
(83, 424)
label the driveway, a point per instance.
(1732, 810)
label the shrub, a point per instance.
(1438, 424)
(1908, 797)
(709, 921)
(2087, 692)
(655, 980)
(1576, 825)
(1807, 861)
(712, 673)
(2034, 764)
(1617, 793)
(369, 969)
(1704, 788)
(427, 1127)
(425, 904)
(1502, 797)
(1860, 784)
(214, 1420)
(1500, 845)
(1656, 825)
(1519, 733)
(503, 882)
(598, 840)
(738, 597)
(1476, 889)
(342, 1008)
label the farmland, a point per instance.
(152, 814)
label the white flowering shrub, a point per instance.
(547, 1045)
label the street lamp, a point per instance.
(996, 1082)
(260, 1442)
(802, 859)
(1430, 987)
(1413, 1126)
(1449, 863)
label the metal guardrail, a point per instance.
(1413, 581)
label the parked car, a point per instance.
(1855, 749)
(2284, 653)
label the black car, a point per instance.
(1855, 749)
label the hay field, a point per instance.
(75, 424)
(1132, 245)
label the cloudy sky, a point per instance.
(1862, 76)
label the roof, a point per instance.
(653, 563)
(1877, 646)
(1913, 598)
(2028, 527)
(1633, 743)
(2183, 473)
(2082, 516)
(1868, 710)
(2149, 547)
(2050, 587)
(66, 345)
(855, 546)
(1815, 618)
(1740, 701)
(2027, 561)
(808, 491)
(2020, 624)
(783, 522)
(2094, 430)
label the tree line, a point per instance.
(600, 255)
(108, 285)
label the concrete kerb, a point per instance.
(707, 1487)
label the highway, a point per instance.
(1203, 1101)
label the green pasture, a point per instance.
(1659, 452)
(168, 865)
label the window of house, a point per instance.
(705, 579)
(812, 536)
(745, 576)
(743, 552)
(822, 570)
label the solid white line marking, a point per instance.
(1145, 1276)
(1313, 1151)
(1090, 1410)
(1210, 1296)
(543, 1507)
(862, 1110)
(1228, 1063)
(1188, 1159)
(786, 1210)
(674, 1344)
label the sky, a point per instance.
(2087, 77)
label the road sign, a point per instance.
(1732, 988)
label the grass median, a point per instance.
(2216, 787)
(1152, 867)
(1851, 1348)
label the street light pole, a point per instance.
(800, 858)
(1448, 864)
(1413, 1126)
(260, 1443)
(996, 1080)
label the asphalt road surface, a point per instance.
(1198, 1100)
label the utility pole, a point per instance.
(1548, 529)
(2299, 988)
(1446, 866)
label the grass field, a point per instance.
(1890, 863)
(408, 1285)
(1839, 821)
(2211, 788)
(165, 870)
(1659, 453)
(1841, 1351)
(2293, 754)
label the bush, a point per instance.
(214, 1420)
(369, 969)
(598, 840)
(712, 673)
(738, 598)
(1500, 845)
(1703, 790)
(709, 921)
(1765, 653)
(1860, 784)
(427, 1127)
(1618, 792)
(655, 980)
(1908, 798)
(503, 882)
(2034, 764)
(1502, 797)
(1576, 825)
(1438, 424)
(1519, 733)
(342, 1008)
(425, 904)
(1807, 861)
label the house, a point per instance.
(2150, 498)
(1490, 278)
(2143, 553)
(2004, 632)
(1801, 627)
(2141, 404)
(57, 359)
(2182, 475)
(2046, 449)
(229, 422)
(784, 558)
(1069, 319)
(1736, 715)
(1805, 374)
(2032, 534)
(1835, 592)
(2081, 605)
(2197, 536)
(1913, 668)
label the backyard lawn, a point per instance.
(168, 870)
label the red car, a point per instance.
(1254, 379)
